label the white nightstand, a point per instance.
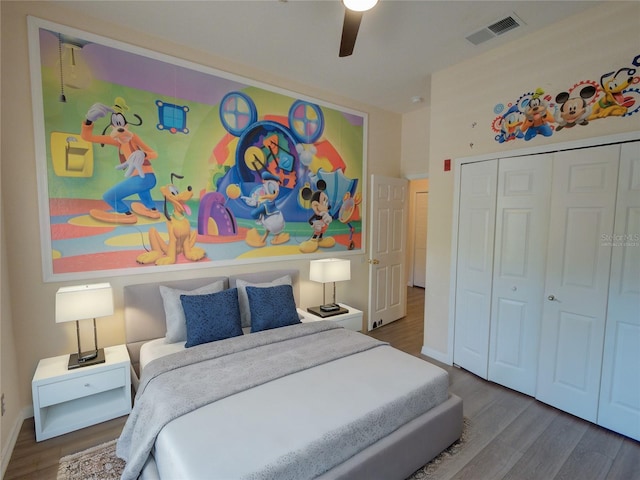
(351, 320)
(67, 400)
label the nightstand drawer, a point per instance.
(79, 387)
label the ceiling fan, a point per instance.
(353, 11)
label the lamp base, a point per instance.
(86, 359)
(324, 312)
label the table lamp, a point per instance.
(79, 303)
(325, 271)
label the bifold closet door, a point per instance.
(619, 407)
(522, 217)
(577, 279)
(476, 224)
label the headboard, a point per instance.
(144, 310)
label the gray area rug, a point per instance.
(95, 463)
(100, 462)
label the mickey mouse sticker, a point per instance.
(320, 220)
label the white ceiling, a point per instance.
(400, 43)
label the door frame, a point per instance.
(414, 234)
(447, 357)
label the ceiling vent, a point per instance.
(497, 28)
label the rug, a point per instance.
(100, 462)
(95, 463)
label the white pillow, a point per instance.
(243, 299)
(176, 323)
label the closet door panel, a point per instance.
(577, 279)
(619, 407)
(475, 265)
(522, 217)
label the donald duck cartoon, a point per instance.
(266, 213)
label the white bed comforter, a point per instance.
(208, 442)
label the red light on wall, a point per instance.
(447, 164)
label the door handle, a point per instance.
(374, 262)
(551, 298)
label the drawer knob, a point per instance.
(87, 385)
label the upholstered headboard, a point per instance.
(144, 310)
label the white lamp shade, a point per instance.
(329, 270)
(84, 301)
(359, 5)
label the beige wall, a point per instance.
(414, 166)
(30, 312)
(584, 46)
(415, 144)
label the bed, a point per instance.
(306, 400)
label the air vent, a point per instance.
(497, 28)
(504, 25)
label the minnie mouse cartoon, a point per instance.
(320, 219)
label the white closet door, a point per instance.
(577, 279)
(522, 217)
(475, 265)
(620, 389)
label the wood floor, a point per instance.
(510, 435)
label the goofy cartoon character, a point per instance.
(538, 117)
(135, 158)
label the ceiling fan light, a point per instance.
(359, 5)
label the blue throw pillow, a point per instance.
(272, 307)
(211, 317)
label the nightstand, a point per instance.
(67, 400)
(351, 320)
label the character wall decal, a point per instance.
(614, 94)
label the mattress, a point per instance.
(251, 431)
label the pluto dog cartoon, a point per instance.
(181, 238)
(320, 219)
(134, 157)
(613, 101)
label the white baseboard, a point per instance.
(7, 451)
(436, 355)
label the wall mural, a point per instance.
(147, 162)
(614, 94)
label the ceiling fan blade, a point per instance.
(349, 31)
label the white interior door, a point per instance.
(619, 407)
(522, 217)
(476, 224)
(387, 282)
(420, 240)
(577, 279)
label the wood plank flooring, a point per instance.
(513, 436)
(510, 435)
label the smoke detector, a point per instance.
(497, 28)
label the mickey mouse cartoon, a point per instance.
(135, 158)
(574, 110)
(320, 219)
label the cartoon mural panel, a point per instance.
(153, 162)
